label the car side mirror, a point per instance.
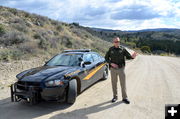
(86, 63)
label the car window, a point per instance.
(65, 60)
(95, 57)
(87, 58)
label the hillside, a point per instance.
(162, 39)
(24, 35)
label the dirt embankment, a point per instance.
(8, 71)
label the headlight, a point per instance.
(54, 83)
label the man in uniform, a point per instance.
(116, 59)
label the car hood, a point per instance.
(45, 72)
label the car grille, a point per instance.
(22, 85)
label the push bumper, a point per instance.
(33, 96)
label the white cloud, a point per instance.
(114, 14)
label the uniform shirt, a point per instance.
(117, 55)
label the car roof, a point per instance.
(78, 51)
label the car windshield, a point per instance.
(65, 60)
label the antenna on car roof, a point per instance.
(78, 50)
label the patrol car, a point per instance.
(62, 78)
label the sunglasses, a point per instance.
(116, 42)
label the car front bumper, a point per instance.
(33, 94)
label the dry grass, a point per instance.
(35, 35)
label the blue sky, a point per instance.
(112, 14)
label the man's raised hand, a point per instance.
(134, 55)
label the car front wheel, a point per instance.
(72, 91)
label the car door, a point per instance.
(87, 80)
(98, 62)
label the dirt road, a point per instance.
(152, 82)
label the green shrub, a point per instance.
(28, 48)
(6, 14)
(13, 37)
(131, 44)
(67, 41)
(54, 41)
(56, 33)
(41, 20)
(37, 36)
(7, 55)
(18, 20)
(27, 15)
(20, 27)
(75, 24)
(16, 54)
(145, 49)
(2, 30)
(55, 23)
(59, 28)
(86, 36)
(65, 24)
(164, 54)
(44, 44)
(77, 32)
(14, 11)
(42, 34)
(19, 24)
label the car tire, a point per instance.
(105, 73)
(72, 91)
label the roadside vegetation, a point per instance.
(154, 42)
(24, 35)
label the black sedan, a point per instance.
(62, 78)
